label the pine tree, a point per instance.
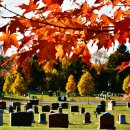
(19, 86)
(7, 84)
(85, 84)
(71, 85)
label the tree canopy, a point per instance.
(54, 33)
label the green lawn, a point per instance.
(75, 119)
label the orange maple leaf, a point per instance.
(28, 8)
(9, 39)
(123, 66)
(51, 2)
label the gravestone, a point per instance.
(18, 108)
(103, 106)
(113, 102)
(110, 106)
(74, 109)
(10, 109)
(21, 119)
(35, 108)
(57, 93)
(34, 101)
(14, 104)
(50, 93)
(3, 105)
(58, 120)
(98, 109)
(54, 106)
(32, 112)
(121, 119)
(82, 110)
(64, 105)
(106, 121)
(60, 109)
(1, 117)
(27, 106)
(46, 108)
(62, 98)
(128, 105)
(42, 118)
(86, 118)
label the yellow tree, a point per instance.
(126, 83)
(71, 85)
(85, 85)
(7, 84)
(19, 86)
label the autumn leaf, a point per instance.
(9, 39)
(123, 66)
(28, 8)
(51, 2)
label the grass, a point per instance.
(75, 119)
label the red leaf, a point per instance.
(123, 66)
(51, 2)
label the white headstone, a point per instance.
(110, 106)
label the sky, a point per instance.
(66, 5)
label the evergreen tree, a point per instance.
(85, 84)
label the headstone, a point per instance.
(60, 109)
(35, 108)
(74, 109)
(1, 117)
(14, 104)
(27, 106)
(3, 105)
(42, 118)
(10, 109)
(46, 108)
(57, 93)
(18, 108)
(64, 105)
(106, 121)
(103, 106)
(58, 120)
(121, 119)
(32, 112)
(87, 118)
(110, 106)
(34, 102)
(62, 98)
(20, 119)
(98, 109)
(128, 105)
(55, 106)
(50, 93)
(82, 110)
(113, 102)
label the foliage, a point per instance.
(19, 85)
(126, 83)
(85, 85)
(57, 33)
(71, 84)
(7, 84)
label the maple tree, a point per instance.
(54, 33)
(86, 84)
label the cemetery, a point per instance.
(25, 113)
